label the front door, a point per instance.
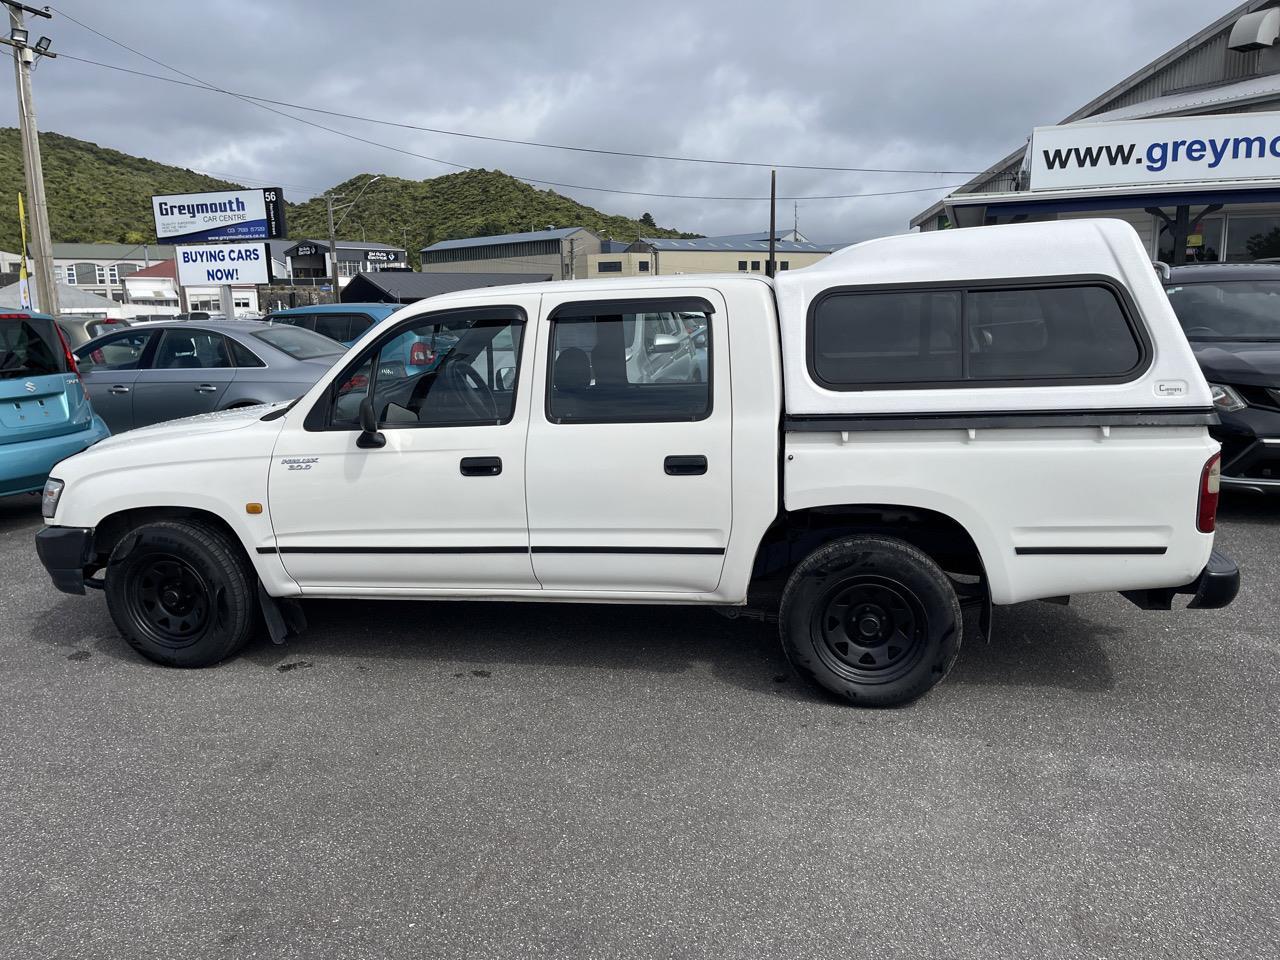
(629, 473)
(189, 374)
(441, 504)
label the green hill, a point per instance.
(101, 195)
(473, 203)
(95, 194)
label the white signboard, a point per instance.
(218, 264)
(1238, 146)
(224, 215)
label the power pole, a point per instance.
(24, 57)
(573, 258)
(771, 265)
(333, 247)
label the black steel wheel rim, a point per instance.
(870, 629)
(170, 600)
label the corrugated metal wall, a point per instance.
(1208, 64)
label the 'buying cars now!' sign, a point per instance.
(224, 215)
(218, 264)
(1235, 146)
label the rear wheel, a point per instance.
(181, 593)
(871, 619)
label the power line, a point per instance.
(462, 166)
(526, 143)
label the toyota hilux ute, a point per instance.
(914, 426)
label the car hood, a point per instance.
(1252, 364)
(201, 425)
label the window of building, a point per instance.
(100, 274)
(57, 274)
(447, 370)
(1253, 238)
(82, 274)
(241, 303)
(644, 266)
(1204, 241)
(348, 268)
(113, 275)
(755, 264)
(928, 337)
(609, 266)
(615, 366)
(742, 265)
(125, 269)
(785, 265)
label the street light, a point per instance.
(19, 36)
(42, 45)
(333, 230)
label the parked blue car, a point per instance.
(344, 322)
(45, 415)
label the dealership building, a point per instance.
(1187, 150)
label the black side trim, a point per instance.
(1089, 551)
(687, 551)
(683, 551)
(394, 550)
(1124, 417)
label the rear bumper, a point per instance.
(64, 551)
(26, 463)
(1217, 586)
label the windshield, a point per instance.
(29, 347)
(1228, 310)
(299, 343)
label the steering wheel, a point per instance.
(471, 389)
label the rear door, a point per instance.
(109, 370)
(628, 468)
(189, 373)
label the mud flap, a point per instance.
(284, 618)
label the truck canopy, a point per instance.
(1059, 316)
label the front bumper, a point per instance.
(1217, 586)
(65, 552)
(1250, 441)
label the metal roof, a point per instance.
(112, 251)
(69, 298)
(405, 286)
(735, 245)
(557, 234)
(1207, 100)
(342, 245)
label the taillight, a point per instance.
(71, 360)
(419, 355)
(1210, 482)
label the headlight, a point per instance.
(52, 494)
(1225, 399)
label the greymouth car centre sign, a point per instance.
(223, 215)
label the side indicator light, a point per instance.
(253, 508)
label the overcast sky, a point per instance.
(906, 84)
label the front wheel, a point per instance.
(181, 593)
(871, 619)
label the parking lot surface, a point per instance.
(505, 780)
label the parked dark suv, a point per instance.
(1231, 315)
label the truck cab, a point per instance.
(915, 425)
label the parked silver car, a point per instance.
(163, 371)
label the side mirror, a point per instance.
(665, 343)
(506, 378)
(370, 437)
(700, 339)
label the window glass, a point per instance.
(444, 371)
(1252, 238)
(609, 266)
(335, 326)
(1204, 241)
(909, 335)
(359, 325)
(305, 321)
(1228, 310)
(192, 350)
(624, 368)
(82, 273)
(244, 357)
(121, 352)
(644, 266)
(299, 343)
(1048, 332)
(30, 348)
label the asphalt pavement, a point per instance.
(527, 780)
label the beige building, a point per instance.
(667, 256)
(560, 252)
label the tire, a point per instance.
(872, 620)
(181, 593)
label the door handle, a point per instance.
(206, 388)
(693, 466)
(119, 388)
(481, 466)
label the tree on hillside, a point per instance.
(646, 220)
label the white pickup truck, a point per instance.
(863, 448)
